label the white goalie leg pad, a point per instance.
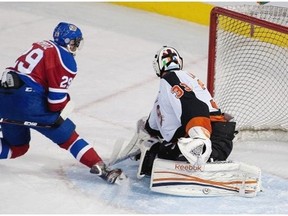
(144, 147)
(192, 148)
(225, 178)
(132, 148)
(140, 136)
(123, 151)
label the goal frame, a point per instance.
(215, 12)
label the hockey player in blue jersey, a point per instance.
(35, 89)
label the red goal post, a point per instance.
(248, 65)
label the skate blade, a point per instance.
(121, 179)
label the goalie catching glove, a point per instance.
(198, 147)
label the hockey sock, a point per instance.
(7, 151)
(81, 150)
(18, 151)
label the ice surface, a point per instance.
(115, 87)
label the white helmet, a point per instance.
(167, 59)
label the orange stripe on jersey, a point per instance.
(199, 121)
(217, 118)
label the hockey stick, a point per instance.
(125, 157)
(133, 147)
(63, 115)
(118, 156)
(116, 150)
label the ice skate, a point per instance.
(114, 176)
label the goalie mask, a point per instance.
(69, 36)
(167, 59)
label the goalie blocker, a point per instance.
(224, 178)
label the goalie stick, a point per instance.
(63, 115)
(133, 147)
(129, 151)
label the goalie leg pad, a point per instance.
(149, 150)
(224, 178)
(132, 149)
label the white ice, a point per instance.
(115, 87)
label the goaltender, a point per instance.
(184, 143)
(185, 123)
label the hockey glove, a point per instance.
(197, 149)
(11, 80)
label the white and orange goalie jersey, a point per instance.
(183, 101)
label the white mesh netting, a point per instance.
(251, 66)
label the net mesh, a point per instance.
(251, 66)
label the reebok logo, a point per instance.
(187, 167)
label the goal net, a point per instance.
(248, 65)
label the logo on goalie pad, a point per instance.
(212, 179)
(187, 167)
(206, 190)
